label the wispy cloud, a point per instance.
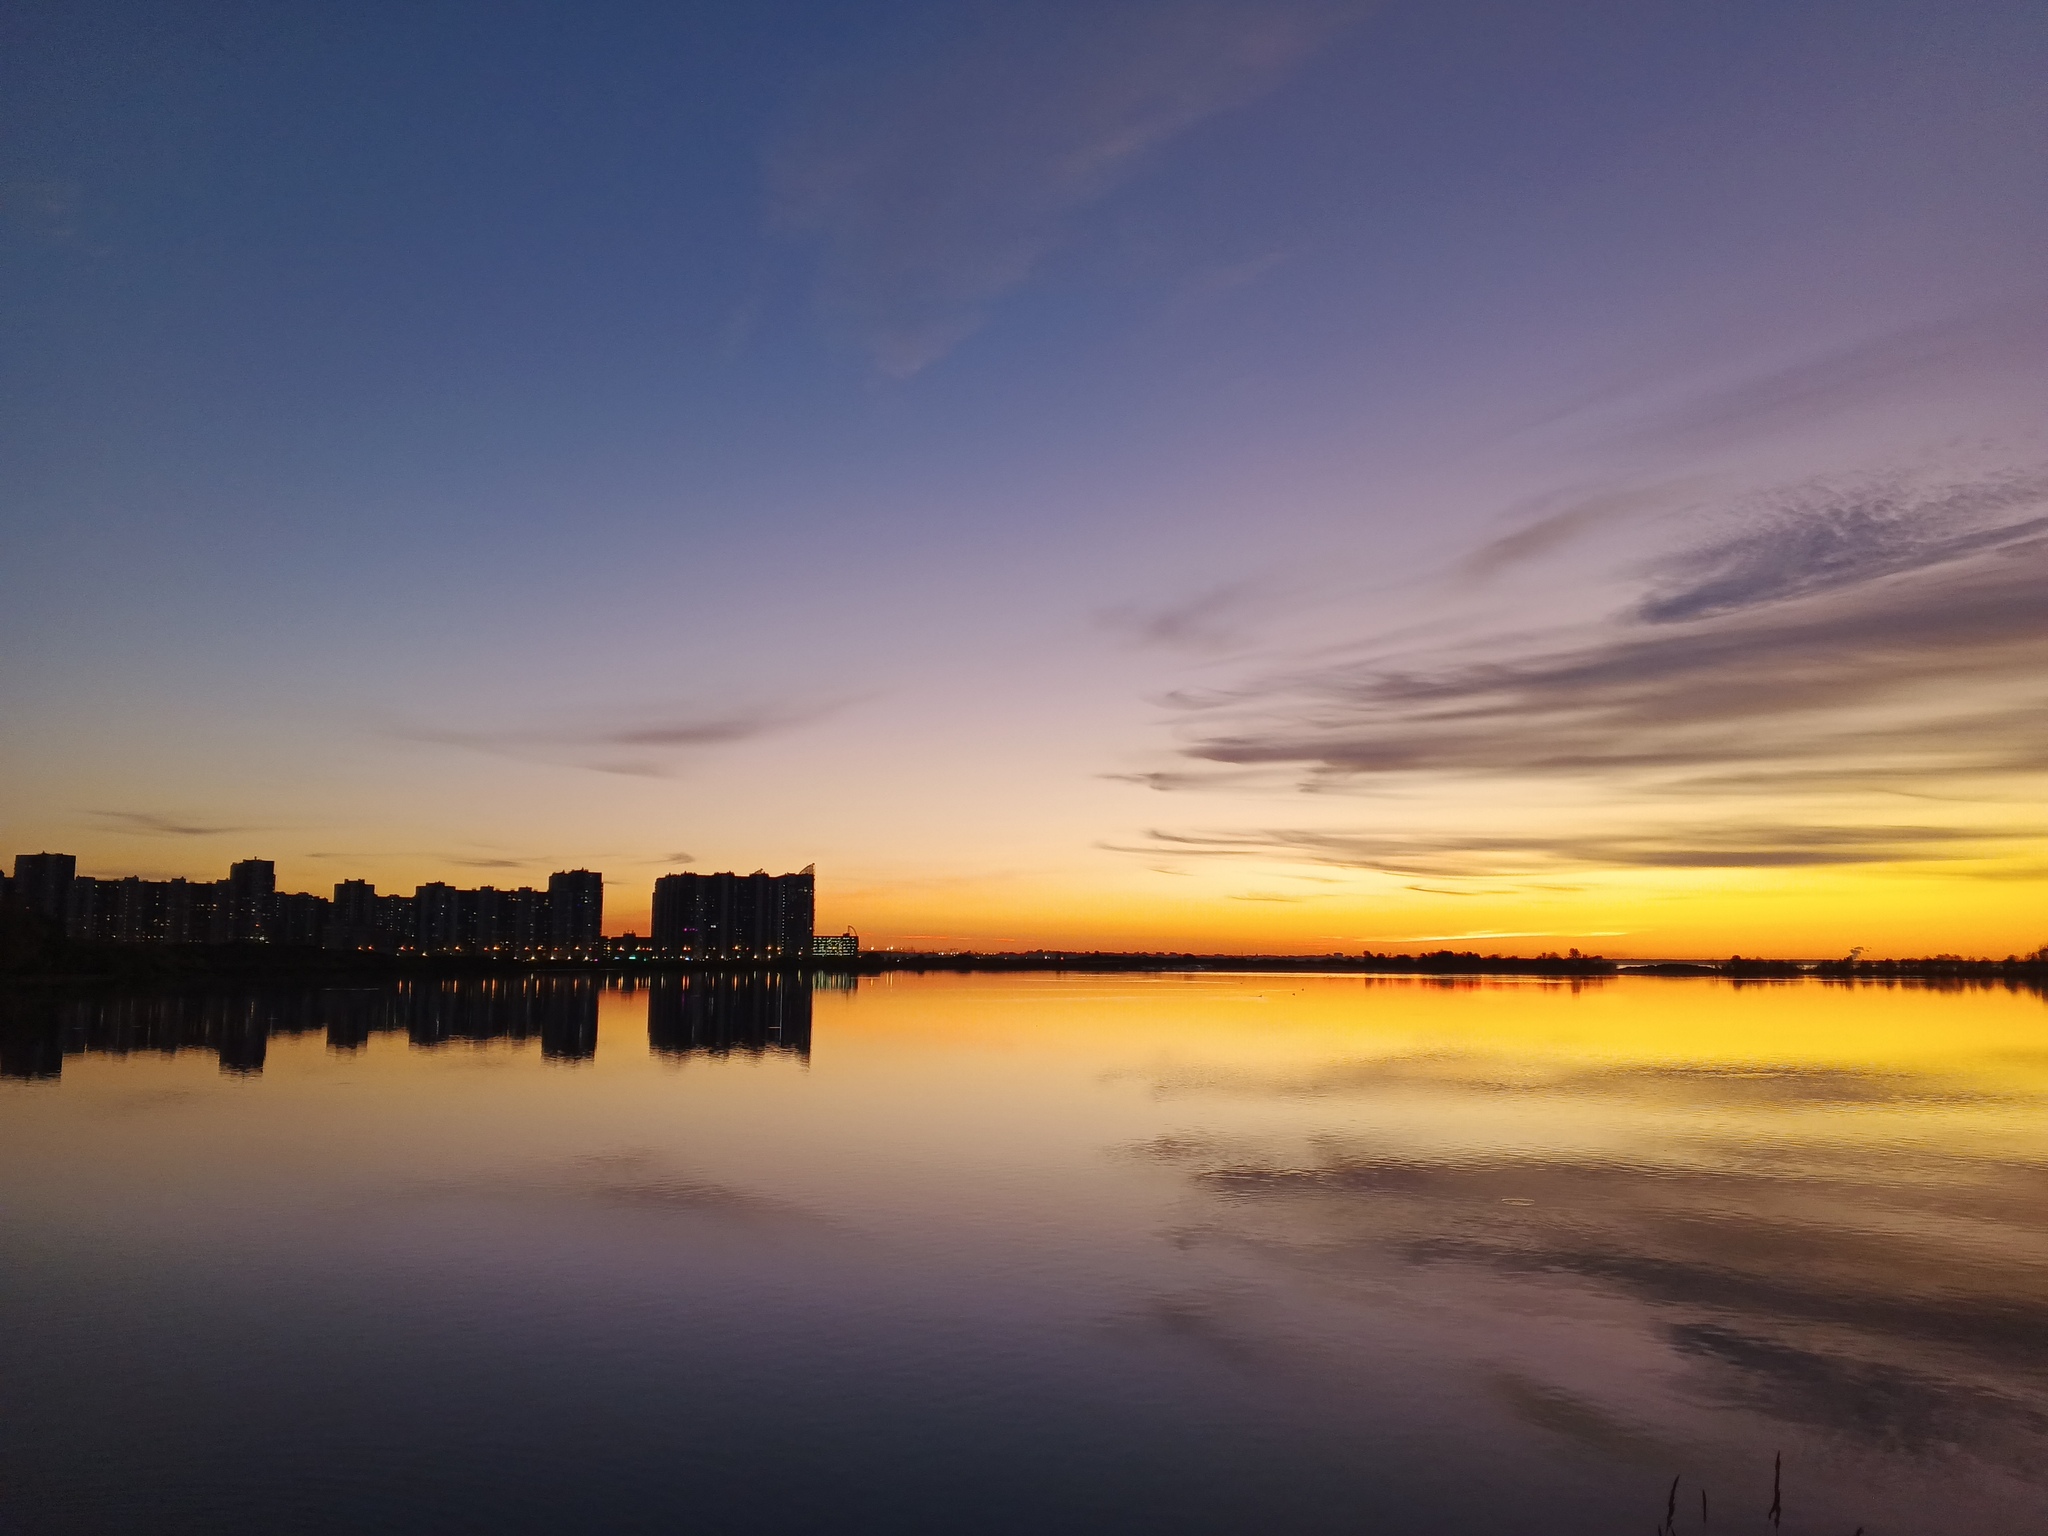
(1831, 536)
(1965, 355)
(1554, 523)
(1175, 780)
(647, 742)
(934, 188)
(1649, 845)
(157, 825)
(1885, 635)
(1212, 620)
(1970, 366)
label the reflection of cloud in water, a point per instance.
(628, 1181)
(1221, 1322)
(1773, 1252)
(1730, 1085)
(1585, 1423)
(1895, 1406)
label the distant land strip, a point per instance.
(118, 962)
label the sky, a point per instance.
(1166, 474)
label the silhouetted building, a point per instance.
(352, 920)
(147, 911)
(437, 917)
(301, 919)
(199, 912)
(523, 918)
(132, 910)
(476, 917)
(836, 946)
(247, 907)
(735, 917)
(91, 907)
(485, 919)
(396, 922)
(42, 882)
(575, 907)
(144, 911)
(252, 899)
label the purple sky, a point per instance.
(1271, 474)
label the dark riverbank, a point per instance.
(54, 960)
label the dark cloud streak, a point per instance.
(654, 736)
(1653, 846)
(166, 826)
(1843, 639)
(1834, 537)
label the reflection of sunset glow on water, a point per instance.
(1230, 1248)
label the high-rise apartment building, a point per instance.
(91, 909)
(352, 922)
(137, 911)
(575, 907)
(198, 911)
(477, 916)
(252, 900)
(395, 922)
(42, 882)
(735, 917)
(301, 919)
(247, 907)
(437, 917)
(523, 918)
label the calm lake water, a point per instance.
(1025, 1254)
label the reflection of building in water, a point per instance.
(236, 1023)
(243, 1039)
(355, 1014)
(559, 1011)
(568, 1018)
(718, 1012)
(712, 1012)
(31, 1053)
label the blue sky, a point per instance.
(1010, 454)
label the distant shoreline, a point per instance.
(107, 962)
